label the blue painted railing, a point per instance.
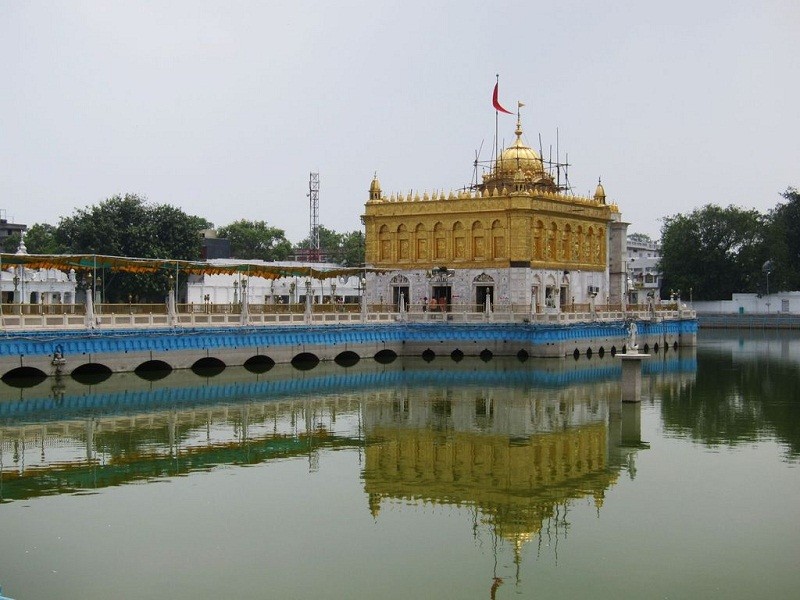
(170, 339)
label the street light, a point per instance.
(767, 268)
(363, 291)
(90, 286)
(308, 301)
(16, 296)
(98, 294)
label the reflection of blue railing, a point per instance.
(205, 393)
(97, 342)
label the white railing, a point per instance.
(116, 317)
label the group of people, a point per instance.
(434, 304)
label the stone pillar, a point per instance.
(632, 376)
(617, 261)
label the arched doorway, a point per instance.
(441, 290)
(399, 286)
(483, 286)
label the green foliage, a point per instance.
(11, 243)
(714, 251)
(129, 226)
(346, 249)
(353, 249)
(256, 240)
(41, 238)
(784, 243)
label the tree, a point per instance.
(129, 226)
(783, 243)
(39, 239)
(256, 240)
(353, 248)
(713, 251)
(342, 248)
(11, 243)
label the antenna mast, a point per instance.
(313, 205)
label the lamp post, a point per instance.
(90, 287)
(244, 291)
(235, 292)
(16, 293)
(767, 268)
(308, 300)
(22, 292)
(98, 294)
(333, 293)
(207, 300)
(362, 288)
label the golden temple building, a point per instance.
(517, 238)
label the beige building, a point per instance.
(517, 238)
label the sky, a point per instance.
(224, 108)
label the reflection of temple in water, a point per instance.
(505, 439)
(518, 456)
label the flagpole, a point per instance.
(496, 117)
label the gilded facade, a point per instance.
(516, 238)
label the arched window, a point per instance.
(421, 236)
(538, 241)
(498, 240)
(403, 243)
(385, 243)
(552, 238)
(439, 242)
(459, 241)
(478, 241)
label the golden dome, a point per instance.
(520, 157)
(375, 188)
(600, 193)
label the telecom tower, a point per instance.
(313, 206)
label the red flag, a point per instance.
(496, 103)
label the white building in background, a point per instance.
(644, 276)
(20, 285)
(233, 289)
(37, 286)
(787, 303)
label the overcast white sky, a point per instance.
(223, 108)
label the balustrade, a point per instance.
(132, 315)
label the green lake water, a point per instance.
(470, 479)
